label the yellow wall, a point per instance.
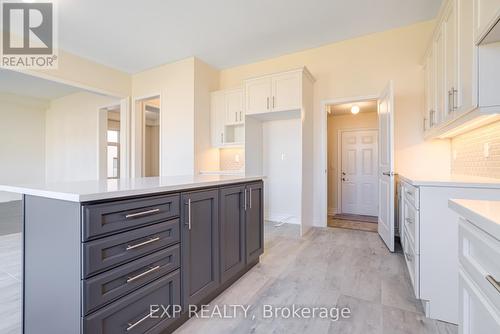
(367, 120)
(359, 67)
(86, 74)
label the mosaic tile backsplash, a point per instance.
(232, 159)
(468, 152)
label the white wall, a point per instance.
(22, 141)
(283, 182)
(72, 140)
(360, 67)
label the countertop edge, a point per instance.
(477, 219)
(82, 198)
(449, 183)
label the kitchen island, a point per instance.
(132, 255)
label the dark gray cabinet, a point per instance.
(108, 261)
(254, 221)
(199, 245)
(232, 231)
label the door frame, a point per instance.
(323, 175)
(138, 159)
(124, 168)
(339, 162)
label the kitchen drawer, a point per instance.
(108, 252)
(130, 314)
(110, 285)
(411, 194)
(108, 218)
(413, 264)
(479, 255)
(477, 315)
(411, 221)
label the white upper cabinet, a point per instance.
(450, 60)
(287, 91)
(460, 77)
(227, 117)
(487, 13)
(234, 107)
(258, 94)
(466, 98)
(277, 92)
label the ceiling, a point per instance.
(133, 35)
(345, 108)
(26, 85)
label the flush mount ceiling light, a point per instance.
(354, 109)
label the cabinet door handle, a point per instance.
(149, 271)
(268, 103)
(250, 197)
(222, 138)
(138, 322)
(273, 102)
(240, 117)
(455, 98)
(493, 282)
(189, 213)
(409, 220)
(245, 199)
(130, 247)
(449, 101)
(143, 213)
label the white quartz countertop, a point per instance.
(465, 181)
(85, 191)
(483, 214)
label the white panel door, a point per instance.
(386, 167)
(359, 160)
(287, 92)
(258, 95)
(234, 107)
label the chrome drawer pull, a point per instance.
(138, 214)
(493, 282)
(138, 322)
(130, 247)
(131, 279)
(409, 220)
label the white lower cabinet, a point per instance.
(429, 230)
(479, 292)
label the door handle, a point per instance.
(189, 213)
(273, 102)
(245, 199)
(389, 173)
(493, 282)
(250, 197)
(343, 173)
(343, 179)
(268, 103)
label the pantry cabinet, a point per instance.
(274, 93)
(227, 117)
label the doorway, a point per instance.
(147, 136)
(352, 146)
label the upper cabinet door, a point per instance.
(466, 99)
(430, 90)
(440, 84)
(287, 91)
(450, 60)
(487, 12)
(234, 107)
(258, 95)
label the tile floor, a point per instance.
(327, 268)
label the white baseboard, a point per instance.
(279, 219)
